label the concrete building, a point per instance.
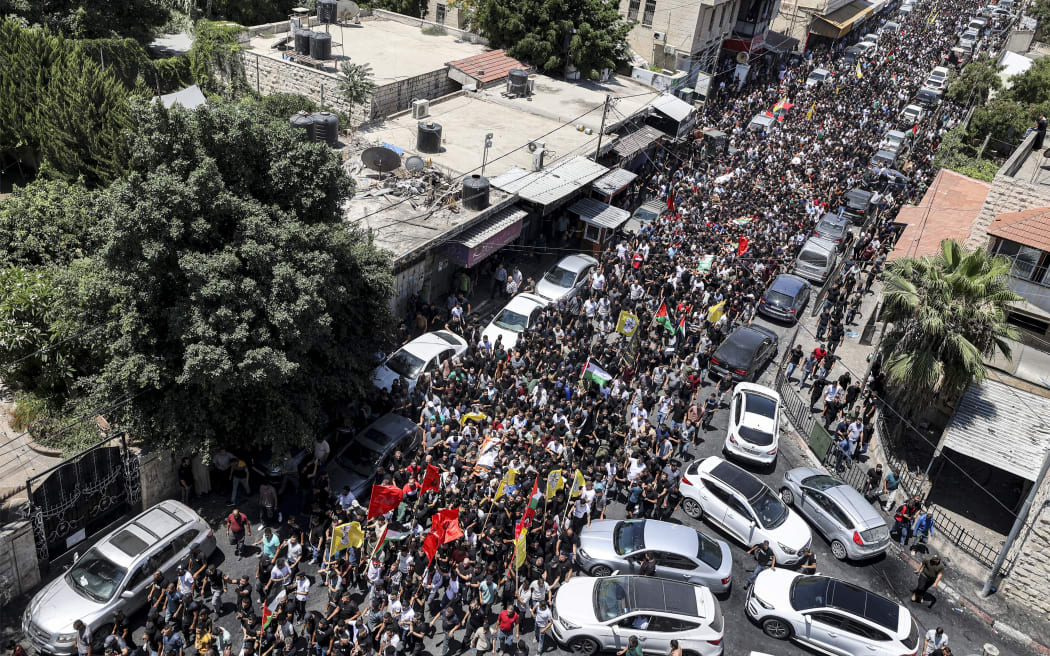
(678, 35)
(830, 19)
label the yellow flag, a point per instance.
(508, 479)
(716, 312)
(809, 114)
(347, 535)
(577, 484)
(627, 324)
(519, 550)
(859, 74)
(554, 483)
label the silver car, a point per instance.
(681, 553)
(356, 464)
(114, 575)
(840, 513)
(567, 277)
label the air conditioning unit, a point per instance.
(538, 156)
(420, 109)
(658, 36)
(669, 50)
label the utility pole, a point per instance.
(1018, 524)
(601, 132)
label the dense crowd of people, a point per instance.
(521, 442)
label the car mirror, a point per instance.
(809, 620)
(127, 594)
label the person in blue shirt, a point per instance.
(923, 528)
(171, 641)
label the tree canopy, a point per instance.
(89, 19)
(46, 223)
(976, 80)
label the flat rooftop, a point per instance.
(393, 50)
(1036, 167)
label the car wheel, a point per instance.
(838, 550)
(582, 645)
(692, 508)
(787, 496)
(776, 628)
(601, 570)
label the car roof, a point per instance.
(820, 243)
(788, 284)
(827, 592)
(858, 193)
(576, 262)
(138, 535)
(675, 538)
(897, 133)
(650, 593)
(833, 218)
(823, 71)
(738, 479)
(525, 303)
(748, 336)
(854, 503)
(428, 345)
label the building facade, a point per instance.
(678, 35)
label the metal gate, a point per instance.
(81, 496)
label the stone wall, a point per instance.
(158, 472)
(1030, 577)
(1008, 194)
(398, 96)
(19, 568)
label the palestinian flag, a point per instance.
(389, 536)
(664, 319)
(596, 373)
(681, 325)
(271, 608)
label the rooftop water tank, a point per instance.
(326, 128)
(475, 192)
(303, 121)
(518, 82)
(428, 137)
(320, 46)
(302, 42)
(326, 11)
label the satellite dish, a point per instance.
(415, 163)
(381, 159)
(346, 10)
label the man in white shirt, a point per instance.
(302, 591)
(935, 639)
(184, 582)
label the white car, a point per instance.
(514, 318)
(830, 616)
(744, 507)
(423, 354)
(912, 114)
(601, 614)
(817, 76)
(754, 424)
(567, 277)
(868, 47)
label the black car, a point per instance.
(785, 298)
(927, 98)
(851, 55)
(744, 352)
(857, 204)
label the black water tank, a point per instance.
(305, 122)
(321, 46)
(326, 11)
(302, 42)
(518, 82)
(326, 128)
(428, 138)
(475, 192)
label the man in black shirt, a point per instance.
(764, 556)
(808, 564)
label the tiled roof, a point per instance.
(1028, 227)
(947, 211)
(488, 66)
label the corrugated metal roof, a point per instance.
(631, 144)
(1002, 426)
(550, 185)
(190, 98)
(614, 181)
(488, 66)
(491, 226)
(599, 214)
(676, 108)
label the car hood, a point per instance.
(598, 537)
(344, 476)
(794, 532)
(57, 606)
(773, 586)
(549, 290)
(575, 600)
(383, 377)
(510, 338)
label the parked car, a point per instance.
(816, 260)
(785, 298)
(356, 464)
(762, 122)
(744, 507)
(830, 615)
(882, 159)
(911, 115)
(644, 215)
(421, 355)
(682, 553)
(746, 350)
(514, 318)
(817, 76)
(754, 424)
(114, 576)
(895, 141)
(857, 204)
(600, 614)
(832, 227)
(567, 277)
(840, 513)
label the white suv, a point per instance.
(754, 424)
(744, 507)
(829, 615)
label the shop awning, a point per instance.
(478, 242)
(599, 214)
(550, 185)
(1002, 426)
(780, 43)
(839, 22)
(674, 108)
(613, 182)
(631, 144)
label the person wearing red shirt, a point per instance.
(820, 352)
(507, 622)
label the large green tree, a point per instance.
(46, 223)
(549, 34)
(88, 19)
(31, 319)
(944, 315)
(973, 84)
(236, 305)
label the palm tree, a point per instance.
(357, 84)
(944, 315)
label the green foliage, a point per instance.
(954, 155)
(357, 84)
(215, 60)
(435, 30)
(1040, 10)
(541, 33)
(1033, 86)
(414, 8)
(247, 12)
(54, 421)
(281, 106)
(1003, 119)
(31, 319)
(92, 19)
(973, 84)
(131, 65)
(46, 223)
(945, 314)
(248, 310)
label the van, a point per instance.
(892, 26)
(816, 260)
(761, 123)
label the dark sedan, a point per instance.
(856, 204)
(356, 464)
(832, 227)
(785, 298)
(744, 352)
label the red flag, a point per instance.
(915, 129)
(525, 523)
(430, 546)
(742, 245)
(446, 525)
(431, 479)
(384, 499)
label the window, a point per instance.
(738, 410)
(1029, 263)
(439, 14)
(632, 9)
(591, 233)
(711, 23)
(636, 622)
(664, 559)
(863, 630)
(139, 576)
(650, 11)
(670, 624)
(722, 16)
(827, 619)
(181, 542)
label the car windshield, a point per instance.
(560, 277)
(610, 598)
(818, 76)
(629, 537)
(360, 458)
(829, 227)
(770, 509)
(511, 320)
(760, 405)
(821, 482)
(809, 592)
(405, 364)
(777, 298)
(95, 577)
(708, 551)
(816, 258)
(644, 215)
